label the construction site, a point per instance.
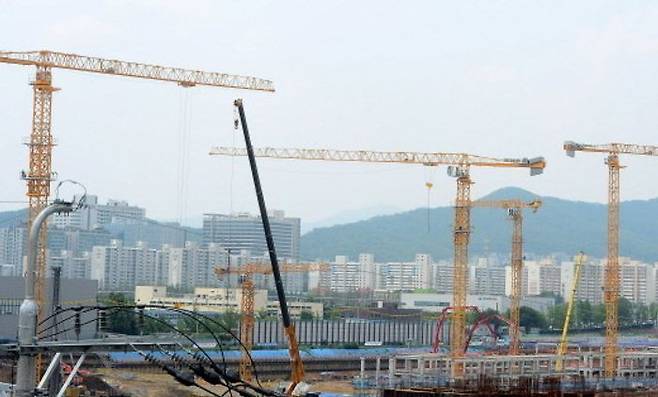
(275, 348)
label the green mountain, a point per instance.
(13, 218)
(559, 227)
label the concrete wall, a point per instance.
(73, 292)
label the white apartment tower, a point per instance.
(543, 276)
(192, 266)
(72, 266)
(346, 276)
(119, 268)
(442, 276)
(486, 279)
(13, 240)
(635, 280)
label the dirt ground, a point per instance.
(139, 384)
(151, 384)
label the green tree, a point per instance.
(472, 317)
(653, 311)
(332, 313)
(306, 315)
(263, 314)
(555, 316)
(531, 318)
(641, 312)
(585, 313)
(598, 315)
(152, 326)
(625, 309)
(120, 321)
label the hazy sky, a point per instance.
(508, 79)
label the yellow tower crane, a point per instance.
(40, 173)
(246, 273)
(611, 287)
(459, 165)
(562, 347)
(515, 211)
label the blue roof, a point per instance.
(280, 353)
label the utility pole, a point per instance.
(27, 316)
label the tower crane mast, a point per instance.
(458, 166)
(40, 173)
(612, 269)
(247, 311)
(515, 211)
(611, 287)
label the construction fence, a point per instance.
(328, 332)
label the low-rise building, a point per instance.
(220, 300)
(214, 300)
(296, 308)
(430, 302)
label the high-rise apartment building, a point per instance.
(486, 278)
(442, 276)
(192, 266)
(424, 261)
(543, 276)
(401, 276)
(119, 268)
(13, 241)
(245, 232)
(347, 276)
(78, 241)
(635, 280)
(94, 215)
(73, 266)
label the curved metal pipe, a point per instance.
(27, 315)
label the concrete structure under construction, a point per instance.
(436, 368)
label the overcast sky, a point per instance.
(507, 79)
